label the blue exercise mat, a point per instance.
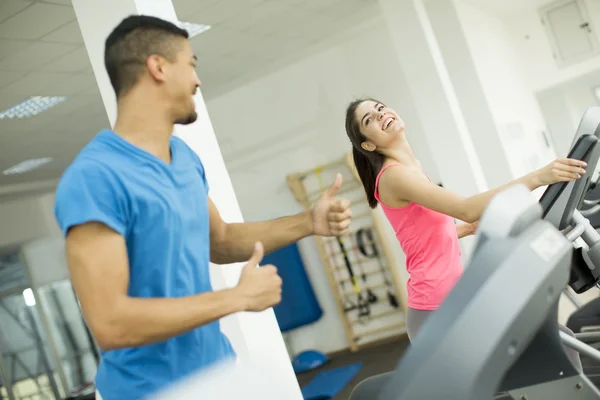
(299, 305)
(329, 383)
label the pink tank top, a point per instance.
(430, 243)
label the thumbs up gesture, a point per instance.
(259, 288)
(331, 216)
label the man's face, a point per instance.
(182, 84)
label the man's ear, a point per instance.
(155, 65)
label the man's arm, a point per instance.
(231, 243)
(234, 242)
(98, 265)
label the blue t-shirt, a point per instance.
(161, 210)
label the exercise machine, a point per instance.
(585, 321)
(498, 334)
(561, 204)
(494, 333)
(587, 317)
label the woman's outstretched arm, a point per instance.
(401, 184)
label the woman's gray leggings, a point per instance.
(370, 387)
(414, 320)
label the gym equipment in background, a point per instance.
(364, 304)
(329, 383)
(299, 305)
(371, 296)
(585, 323)
(363, 246)
(308, 360)
(585, 320)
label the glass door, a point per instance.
(74, 344)
(5, 385)
(46, 350)
(27, 369)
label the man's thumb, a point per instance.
(257, 255)
(333, 189)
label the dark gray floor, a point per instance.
(384, 358)
(375, 360)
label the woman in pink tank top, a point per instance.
(422, 213)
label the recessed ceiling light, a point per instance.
(31, 106)
(29, 297)
(193, 29)
(26, 165)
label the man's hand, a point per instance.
(260, 288)
(331, 216)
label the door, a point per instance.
(570, 32)
(26, 368)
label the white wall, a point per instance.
(533, 48)
(580, 92)
(293, 120)
(500, 68)
(46, 260)
(564, 104)
(22, 220)
(30, 223)
(529, 39)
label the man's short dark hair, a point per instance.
(130, 44)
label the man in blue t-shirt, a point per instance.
(141, 229)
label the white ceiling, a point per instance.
(510, 7)
(42, 53)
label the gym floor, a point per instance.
(376, 360)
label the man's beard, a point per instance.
(189, 119)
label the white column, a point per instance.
(469, 91)
(433, 94)
(253, 335)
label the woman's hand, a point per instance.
(560, 170)
(466, 229)
(474, 227)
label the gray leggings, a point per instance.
(370, 387)
(414, 320)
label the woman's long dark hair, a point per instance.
(368, 163)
